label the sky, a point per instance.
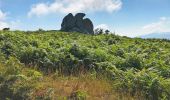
(124, 17)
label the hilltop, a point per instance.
(66, 65)
(163, 35)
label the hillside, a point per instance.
(50, 65)
(164, 35)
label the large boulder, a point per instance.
(68, 22)
(77, 24)
(80, 16)
(6, 29)
(88, 25)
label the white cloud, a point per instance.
(74, 6)
(39, 9)
(103, 26)
(11, 24)
(163, 25)
(3, 23)
(16, 24)
(2, 15)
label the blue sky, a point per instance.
(125, 17)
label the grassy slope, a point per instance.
(80, 66)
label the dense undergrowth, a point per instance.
(52, 65)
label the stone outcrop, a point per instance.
(77, 23)
(6, 29)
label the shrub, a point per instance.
(78, 95)
(119, 52)
(13, 85)
(35, 75)
(145, 83)
(33, 56)
(7, 48)
(133, 61)
(13, 67)
(79, 52)
(99, 55)
(98, 31)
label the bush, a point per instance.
(78, 95)
(7, 48)
(13, 85)
(35, 75)
(133, 61)
(99, 55)
(79, 52)
(144, 83)
(120, 53)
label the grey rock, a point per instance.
(88, 25)
(6, 29)
(79, 16)
(75, 29)
(79, 21)
(68, 22)
(77, 24)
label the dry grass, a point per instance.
(94, 89)
(59, 88)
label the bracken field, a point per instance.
(54, 65)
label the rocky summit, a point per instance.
(77, 23)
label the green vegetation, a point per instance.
(50, 65)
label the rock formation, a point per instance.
(6, 29)
(77, 24)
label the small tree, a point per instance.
(40, 30)
(98, 31)
(107, 31)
